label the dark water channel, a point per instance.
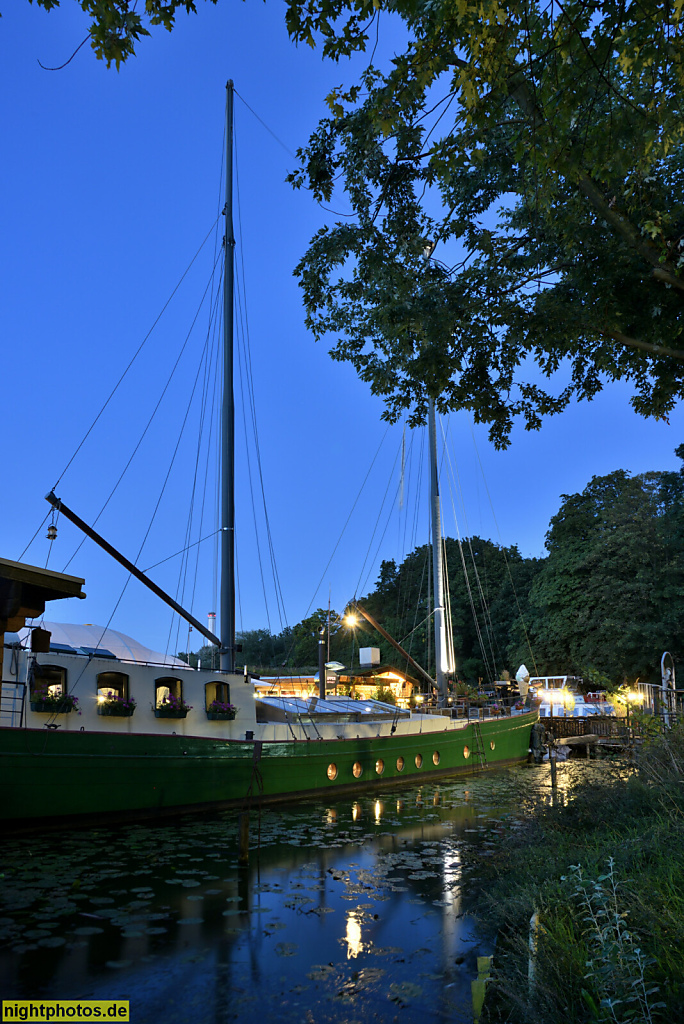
(351, 911)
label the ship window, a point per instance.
(48, 681)
(492, 745)
(217, 691)
(466, 752)
(357, 769)
(112, 682)
(379, 766)
(419, 760)
(400, 764)
(332, 771)
(436, 758)
(166, 687)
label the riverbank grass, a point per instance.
(604, 875)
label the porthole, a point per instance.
(379, 766)
(436, 757)
(466, 752)
(419, 760)
(357, 769)
(492, 745)
(400, 764)
(332, 771)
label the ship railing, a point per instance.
(12, 704)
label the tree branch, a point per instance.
(646, 346)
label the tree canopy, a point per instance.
(516, 182)
(115, 26)
(609, 599)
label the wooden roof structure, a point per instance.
(26, 589)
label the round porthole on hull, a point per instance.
(492, 745)
(419, 760)
(332, 772)
(379, 766)
(436, 757)
(400, 764)
(357, 769)
(466, 752)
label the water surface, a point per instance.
(350, 911)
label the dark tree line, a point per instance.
(605, 603)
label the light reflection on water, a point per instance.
(351, 911)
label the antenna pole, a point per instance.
(227, 626)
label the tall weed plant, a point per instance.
(606, 875)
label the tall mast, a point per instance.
(441, 657)
(227, 626)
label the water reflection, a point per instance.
(347, 911)
(354, 943)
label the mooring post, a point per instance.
(533, 942)
(552, 762)
(243, 832)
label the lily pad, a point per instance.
(287, 949)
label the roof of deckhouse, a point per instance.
(70, 638)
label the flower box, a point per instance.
(166, 712)
(115, 710)
(52, 707)
(220, 716)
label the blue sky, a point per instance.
(109, 183)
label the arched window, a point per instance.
(48, 681)
(165, 687)
(216, 691)
(112, 682)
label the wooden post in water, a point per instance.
(552, 762)
(243, 840)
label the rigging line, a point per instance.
(207, 360)
(503, 549)
(251, 490)
(403, 588)
(134, 357)
(210, 420)
(489, 629)
(471, 599)
(421, 623)
(249, 403)
(47, 516)
(382, 537)
(466, 576)
(182, 551)
(377, 523)
(346, 524)
(262, 122)
(287, 150)
(168, 474)
(149, 422)
(242, 303)
(488, 626)
(404, 583)
(342, 532)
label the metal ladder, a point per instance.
(12, 703)
(479, 750)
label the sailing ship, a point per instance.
(94, 726)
